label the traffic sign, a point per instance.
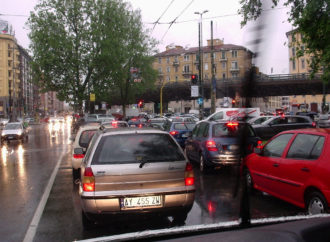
(200, 100)
(194, 91)
(92, 97)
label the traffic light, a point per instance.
(194, 78)
(233, 102)
(140, 103)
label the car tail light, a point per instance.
(189, 178)
(211, 145)
(232, 124)
(78, 156)
(174, 132)
(140, 126)
(314, 124)
(88, 180)
(259, 144)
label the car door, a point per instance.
(198, 139)
(264, 168)
(190, 143)
(298, 166)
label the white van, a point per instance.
(233, 113)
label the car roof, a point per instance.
(133, 130)
(309, 131)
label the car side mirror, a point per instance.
(79, 151)
(258, 151)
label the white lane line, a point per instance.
(32, 229)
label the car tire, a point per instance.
(316, 203)
(75, 174)
(86, 222)
(180, 218)
(249, 181)
(202, 165)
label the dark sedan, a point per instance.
(277, 124)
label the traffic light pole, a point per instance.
(200, 70)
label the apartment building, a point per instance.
(300, 65)
(177, 64)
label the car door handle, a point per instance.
(276, 165)
(305, 169)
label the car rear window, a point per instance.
(136, 148)
(184, 126)
(86, 137)
(224, 130)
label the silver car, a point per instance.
(324, 121)
(14, 131)
(131, 171)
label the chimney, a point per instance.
(215, 42)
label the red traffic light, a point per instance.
(140, 103)
(194, 78)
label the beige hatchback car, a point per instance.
(131, 171)
(81, 141)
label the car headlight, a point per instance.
(3, 134)
(19, 132)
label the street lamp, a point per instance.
(200, 60)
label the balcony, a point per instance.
(186, 73)
(176, 63)
(234, 69)
(223, 59)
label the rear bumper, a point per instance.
(111, 205)
(224, 160)
(12, 137)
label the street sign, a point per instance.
(194, 91)
(200, 100)
(92, 97)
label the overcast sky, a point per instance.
(184, 32)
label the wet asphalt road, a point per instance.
(25, 169)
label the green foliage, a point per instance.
(312, 20)
(84, 46)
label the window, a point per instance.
(217, 116)
(9, 73)
(195, 131)
(234, 53)
(293, 51)
(176, 58)
(215, 68)
(306, 147)
(223, 75)
(223, 54)
(186, 68)
(186, 57)
(276, 147)
(176, 69)
(160, 60)
(168, 69)
(86, 137)
(223, 65)
(168, 60)
(9, 53)
(206, 56)
(303, 63)
(234, 65)
(168, 78)
(202, 130)
(293, 64)
(160, 70)
(213, 55)
(234, 75)
(206, 66)
(279, 120)
(176, 78)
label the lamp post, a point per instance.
(200, 60)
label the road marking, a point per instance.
(32, 229)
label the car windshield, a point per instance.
(123, 149)
(229, 98)
(12, 126)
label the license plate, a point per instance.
(10, 137)
(138, 202)
(233, 147)
(133, 125)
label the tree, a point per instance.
(312, 20)
(85, 46)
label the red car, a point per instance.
(294, 166)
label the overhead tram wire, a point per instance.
(157, 21)
(214, 17)
(172, 22)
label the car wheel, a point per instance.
(316, 203)
(180, 218)
(75, 174)
(86, 222)
(249, 181)
(202, 165)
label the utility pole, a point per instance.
(213, 82)
(200, 63)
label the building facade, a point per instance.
(300, 64)
(177, 64)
